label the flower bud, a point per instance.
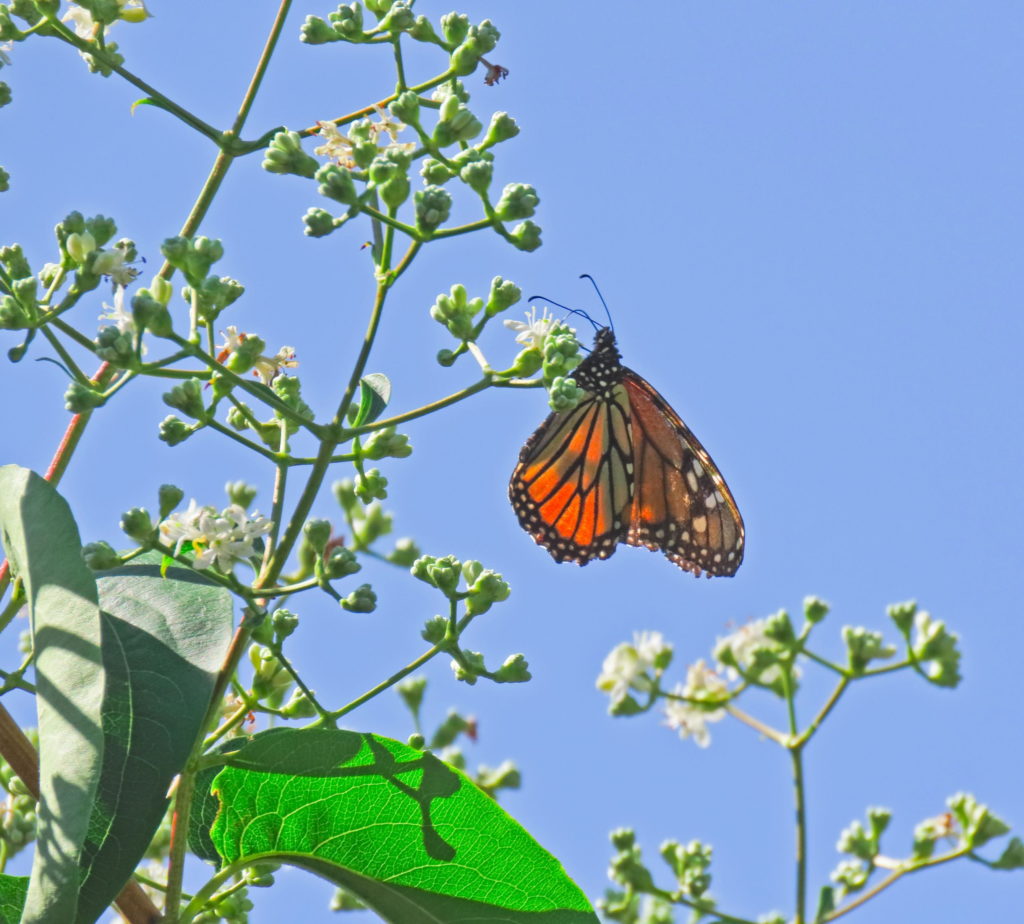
(161, 290)
(470, 668)
(404, 553)
(477, 175)
(80, 398)
(100, 556)
(187, 397)
(455, 28)
(138, 525)
(411, 690)
(174, 430)
(504, 293)
(815, 609)
(526, 236)
(371, 485)
(168, 498)
(399, 18)
(434, 172)
(318, 222)
(317, 533)
(423, 31)
(285, 155)
(336, 183)
(433, 206)
(501, 128)
(299, 706)
(563, 394)
(241, 493)
(341, 562)
(513, 670)
(80, 246)
(285, 623)
(386, 443)
(518, 200)
(361, 600)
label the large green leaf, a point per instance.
(41, 539)
(164, 639)
(12, 898)
(409, 835)
(132, 677)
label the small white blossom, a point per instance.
(267, 367)
(705, 684)
(388, 124)
(630, 667)
(336, 146)
(689, 720)
(221, 539)
(112, 263)
(233, 340)
(84, 25)
(121, 316)
(532, 331)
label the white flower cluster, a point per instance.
(634, 667)
(338, 147)
(266, 367)
(219, 539)
(85, 25)
(702, 683)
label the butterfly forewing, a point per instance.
(622, 467)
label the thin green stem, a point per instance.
(390, 682)
(824, 662)
(829, 705)
(68, 331)
(69, 363)
(485, 382)
(463, 229)
(241, 440)
(893, 877)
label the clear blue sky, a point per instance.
(807, 219)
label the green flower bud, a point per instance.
(149, 314)
(446, 358)
(457, 124)
(13, 258)
(168, 498)
(442, 573)
(456, 312)
(394, 192)
(513, 670)
(187, 397)
(518, 200)
(411, 690)
(852, 875)
(361, 600)
(347, 21)
(815, 609)
(137, 524)
(5, 94)
(564, 394)
(9, 32)
(423, 31)
(318, 222)
(1012, 857)
(450, 729)
(623, 838)
(504, 293)
(501, 128)
(371, 485)
(856, 841)
(12, 315)
(455, 28)
(162, 290)
(285, 623)
(471, 667)
(779, 628)
(379, 7)
(317, 533)
(101, 228)
(979, 825)
(285, 155)
(416, 741)
(404, 553)
(26, 291)
(79, 398)
(5, 180)
(375, 524)
(112, 346)
(314, 31)
(433, 206)
(477, 175)
(406, 108)
(241, 493)
(336, 183)
(465, 58)
(526, 236)
(100, 556)
(80, 246)
(488, 588)
(262, 875)
(193, 257)
(506, 776)
(471, 570)
(386, 444)
(434, 630)
(903, 615)
(486, 35)
(174, 430)
(864, 646)
(341, 562)
(434, 172)
(299, 706)
(399, 18)
(244, 357)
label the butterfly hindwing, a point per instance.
(681, 504)
(623, 467)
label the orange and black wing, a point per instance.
(572, 488)
(681, 504)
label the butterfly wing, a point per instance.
(572, 488)
(681, 504)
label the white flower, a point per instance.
(220, 539)
(532, 331)
(112, 263)
(117, 313)
(388, 124)
(744, 643)
(702, 683)
(5, 58)
(233, 340)
(336, 146)
(83, 22)
(630, 667)
(267, 367)
(690, 721)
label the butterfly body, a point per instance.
(622, 467)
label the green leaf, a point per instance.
(374, 394)
(41, 539)
(125, 672)
(164, 639)
(412, 837)
(12, 898)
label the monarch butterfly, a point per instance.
(622, 467)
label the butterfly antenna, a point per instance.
(582, 314)
(611, 323)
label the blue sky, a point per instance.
(806, 219)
